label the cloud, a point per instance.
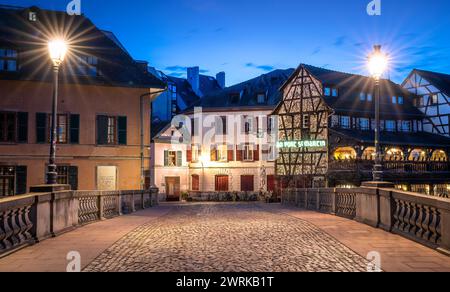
(340, 41)
(266, 68)
(182, 69)
(358, 44)
(316, 51)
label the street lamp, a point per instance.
(57, 49)
(377, 63)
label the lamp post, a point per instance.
(57, 49)
(378, 63)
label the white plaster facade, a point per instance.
(260, 169)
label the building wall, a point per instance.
(438, 114)
(87, 101)
(209, 169)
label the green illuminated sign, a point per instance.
(302, 144)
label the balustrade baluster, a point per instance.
(434, 222)
(426, 224)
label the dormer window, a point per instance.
(261, 98)
(362, 96)
(400, 100)
(334, 92)
(329, 91)
(32, 16)
(8, 60)
(234, 98)
(84, 66)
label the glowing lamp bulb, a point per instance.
(57, 49)
(378, 63)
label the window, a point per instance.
(434, 99)
(364, 124)
(8, 127)
(111, 130)
(345, 122)
(261, 98)
(248, 153)
(400, 100)
(8, 60)
(327, 91)
(334, 92)
(61, 130)
(32, 16)
(369, 97)
(234, 98)
(247, 183)
(221, 184)
(248, 125)
(362, 96)
(221, 125)
(271, 122)
(7, 180)
(222, 153)
(406, 126)
(394, 100)
(173, 158)
(390, 126)
(195, 183)
(306, 123)
(84, 66)
(195, 153)
(63, 175)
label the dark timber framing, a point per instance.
(303, 115)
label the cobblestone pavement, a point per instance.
(228, 238)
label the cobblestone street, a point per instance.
(230, 238)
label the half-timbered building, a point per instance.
(326, 133)
(432, 92)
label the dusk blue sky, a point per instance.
(246, 38)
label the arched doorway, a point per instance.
(344, 153)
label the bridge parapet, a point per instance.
(34, 217)
(424, 219)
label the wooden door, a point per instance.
(173, 188)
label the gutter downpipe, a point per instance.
(141, 109)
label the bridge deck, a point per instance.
(226, 237)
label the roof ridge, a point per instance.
(432, 72)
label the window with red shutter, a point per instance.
(230, 155)
(238, 153)
(271, 183)
(195, 182)
(189, 156)
(221, 183)
(247, 183)
(256, 153)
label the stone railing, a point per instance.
(418, 217)
(34, 217)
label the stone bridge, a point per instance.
(312, 230)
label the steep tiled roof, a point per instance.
(115, 66)
(247, 92)
(440, 80)
(350, 87)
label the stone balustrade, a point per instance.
(34, 217)
(421, 218)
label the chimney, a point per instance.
(220, 77)
(193, 76)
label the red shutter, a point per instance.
(247, 183)
(189, 156)
(230, 155)
(238, 154)
(195, 183)
(256, 153)
(222, 183)
(271, 183)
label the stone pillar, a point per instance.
(367, 206)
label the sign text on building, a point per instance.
(302, 144)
